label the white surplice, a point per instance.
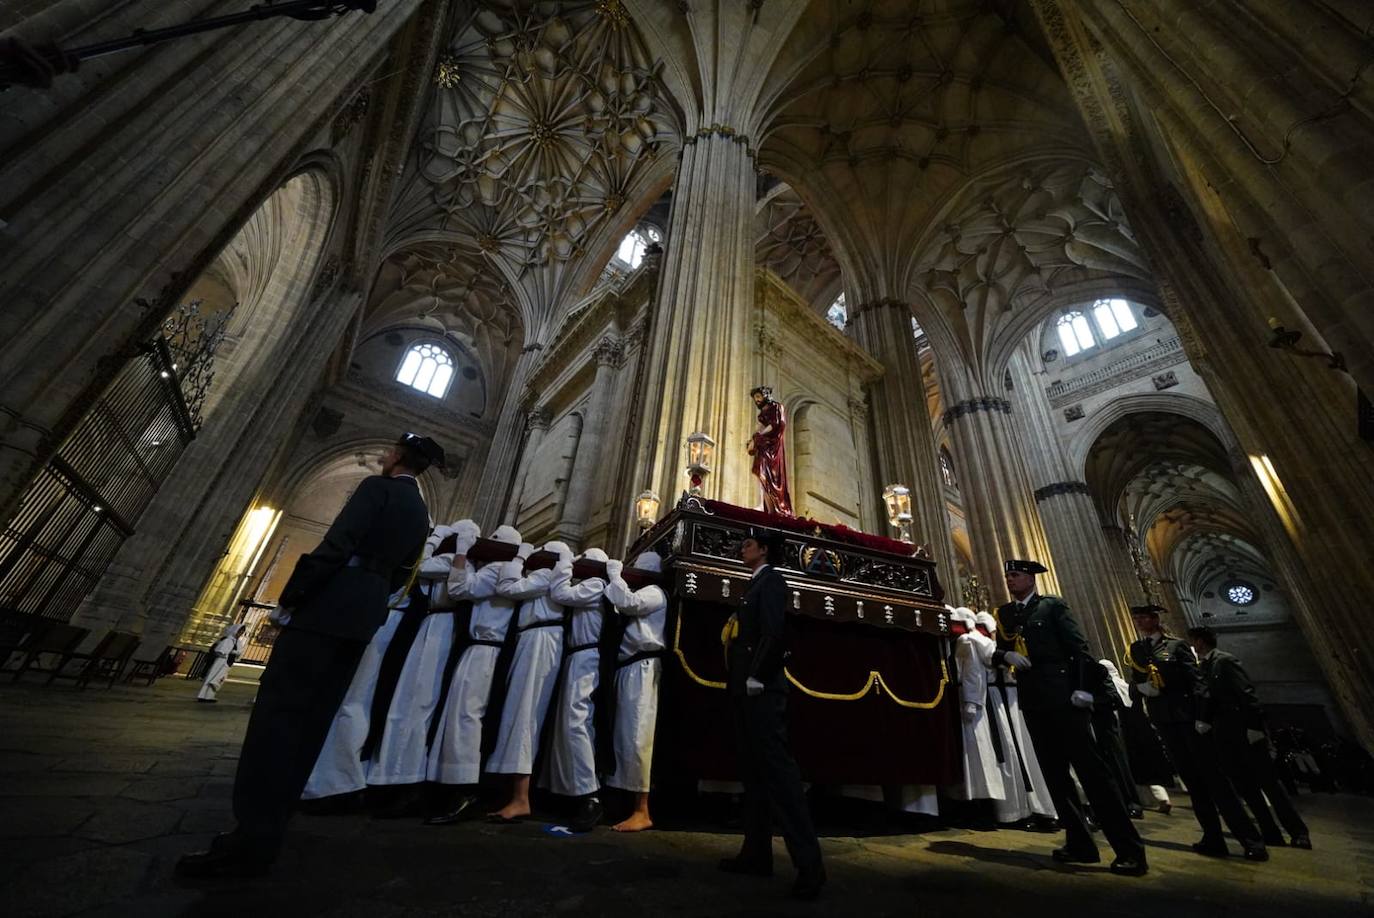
(636, 684)
(570, 768)
(534, 668)
(982, 772)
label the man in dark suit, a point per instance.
(757, 684)
(1164, 671)
(1233, 711)
(1058, 674)
(330, 607)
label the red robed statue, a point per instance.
(770, 458)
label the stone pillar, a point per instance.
(1003, 521)
(699, 351)
(902, 436)
(1070, 517)
(536, 425)
(609, 354)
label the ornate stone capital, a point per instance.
(1058, 488)
(609, 352)
(974, 405)
(538, 418)
(858, 408)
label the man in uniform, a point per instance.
(757, 686)
(1056, 674)
(1233, 713)
(330, 608)
(1165, 672)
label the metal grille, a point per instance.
(84, 503)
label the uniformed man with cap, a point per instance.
(1056, 674)
(1233, 710)
(330, 607)
(757, 684)
(1164, 670)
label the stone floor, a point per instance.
(102, 790)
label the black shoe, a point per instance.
(1069, 856)
(807, 885)
(1130, 866)
(226, 858)
(208, 700)
(463, 809)
(1275, 840)
(1211, 847)
(746, 867)
(588, 815)
(1136, 811)
(1257, 853)
(1302, 841)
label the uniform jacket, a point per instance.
(1177, 701)
(1061, 661)
(1229, 701)
(761, 648)
(341, 588)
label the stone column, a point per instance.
(536, 425)
(699, 351)
(902, 436)
(609, 354)
(989, 446)
(1070, 517)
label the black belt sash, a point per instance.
(389, 670)
(558, 623)
(1011, 728)
(642, 655)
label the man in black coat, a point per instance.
(1233, 711)
(1164, 671)
(330, 607)
(1057, 675)
(757, 686)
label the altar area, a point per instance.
(872, 694)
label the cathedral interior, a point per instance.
(1091, 280)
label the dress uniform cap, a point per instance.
(1015, 566)
(427, 448)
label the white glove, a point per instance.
(1081, 699)
(1255, 736)
(614, 568)
(440, 533)
(1147, 689)
(1016, 659)
(970, 711)
(563, 565)
(753, 686)
(1202, 727)
(524, 551)
(463, 542)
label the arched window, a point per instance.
(1075, 334)
(947, 468)
(1114, 317)
(632, 247)
(427, 367)
(838, 313)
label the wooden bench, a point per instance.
(107, 660)
(48, 638)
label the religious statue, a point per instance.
(766, 446)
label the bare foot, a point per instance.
(637, 822)
(512, 811)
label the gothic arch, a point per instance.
(1188, 406)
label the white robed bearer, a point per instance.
(227, 649)
(533, 673)
(340, 768)
(401, 754)
(972, 656)
(455, 757)
(639, 667)
(570, 766)
(1025, 793)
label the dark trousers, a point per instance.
(1107, 732)
(772, 782)
(305, 681)
(1063, 738)
(1195, 758)
(1252, 771)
